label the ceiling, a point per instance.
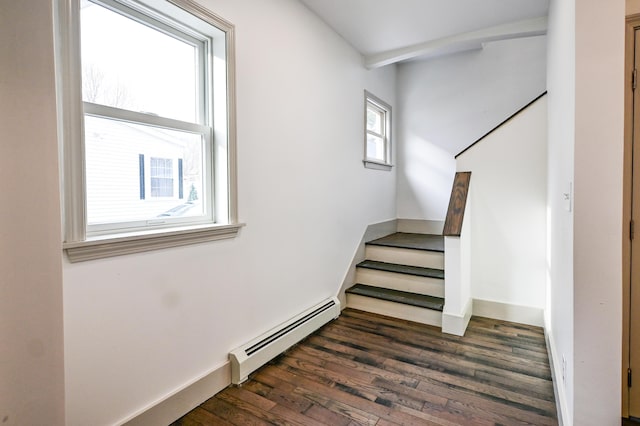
(396, 30)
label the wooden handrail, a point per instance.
(501, 124)
(457, 203)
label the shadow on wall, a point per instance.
(425, 176)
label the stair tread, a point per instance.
(402, 269)
(426, 242)
(404, 297)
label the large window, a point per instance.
(377, 133)
(147, 98)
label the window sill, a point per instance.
(377, 165)
(122, 244)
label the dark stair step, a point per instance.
(411, 241)
(402, 269)
(404, 297)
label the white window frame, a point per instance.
(385, 109)
(79, 243)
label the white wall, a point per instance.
(31, 340)
(508, 225)
(585, 82)
(425, 177)
(448, 103)
(561, 99)
(140, 326)
(597, 253)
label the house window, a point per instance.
(147, 95)
(161, 177)
(377, 133)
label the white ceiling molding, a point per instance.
(460, 42)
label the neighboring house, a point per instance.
(100, 342)
(151, 172)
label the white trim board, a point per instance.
(459, 42)
(555, 365)
(455, 323)
(420, 226)
(176, 404)
(508, 312)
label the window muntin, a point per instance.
(377, 131)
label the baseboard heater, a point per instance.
(254, 354)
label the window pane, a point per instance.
(136, 172)
(161, 177)
(129, 65)
(375, 148)
(374, 120)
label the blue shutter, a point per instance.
(141, 162)
(180, 180)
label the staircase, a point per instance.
(402, 277)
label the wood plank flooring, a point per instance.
(367, 369)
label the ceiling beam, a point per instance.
(459, 42)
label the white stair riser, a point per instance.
(426, 259)
(402, 282)
(396, 310)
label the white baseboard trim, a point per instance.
(556, 376)
(420, 226)
(453, 323)
(178, 403)
(379, 230)
(508, 312)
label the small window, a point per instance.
(161, 177)
(147, 99)
(377, 133)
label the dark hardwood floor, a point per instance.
(366, 369)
